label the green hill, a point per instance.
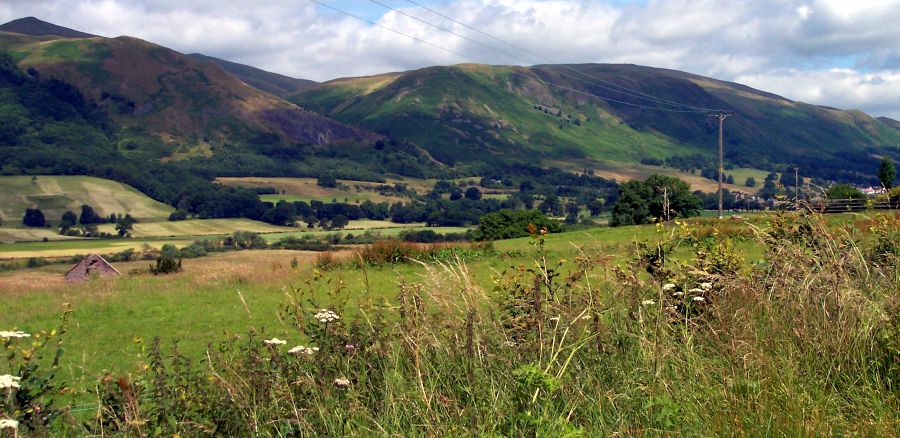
(496, 114)
(54, 195)
(156, 93)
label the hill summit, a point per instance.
(36, 27)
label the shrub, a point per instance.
(245, 240)
(168, 261)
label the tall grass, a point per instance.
(805, 342)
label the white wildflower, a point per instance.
(8, 381)
(9, 424)
(668, 287)
(325, 316)
(341, 382)
(699, 299)
(648, 302)
(555, 318)
(706, 286)
(696, 291)
(16, 334)
(586, 317)
(302, 349)
(678, 294)
(275, 341)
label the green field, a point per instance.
(54, 195)
(197, 227)
(630, 349)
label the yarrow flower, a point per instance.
(699, 299)
(341, 382)
(706, 286)
(668, 287)
(16, 334)
(678, 294)
(648, 302)
(696, 291)
(8, 381)
(325, 316)
(275, 341)
(302, 349)
(9, 424)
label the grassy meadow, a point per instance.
(54, 195)
(739, 342)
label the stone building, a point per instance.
(92, 265)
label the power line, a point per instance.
(551, 61)
(629, 93)
(535, 78)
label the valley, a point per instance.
(192, 246)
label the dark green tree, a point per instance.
(751, 182)
(887, 173)
(339, 221)
(642, 201)
(632, 207)
(681, 202)
(328, 180)
(34, 217)
(124, 225)
(89, 216)
(508, 224)
(596, 206)
(473, 193)
(67, 221)
(551, 205)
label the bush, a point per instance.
(36, 262)
(168, 261)
(178, 215)
(245, 240)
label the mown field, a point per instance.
(350, 191)
(54, 195)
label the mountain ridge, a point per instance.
(474, 108)
(272, 83)
(37, 27)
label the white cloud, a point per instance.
(786, 47)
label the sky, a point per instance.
(844, 54)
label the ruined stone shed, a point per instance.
(90, 266)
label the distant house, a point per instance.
(92, 265)
(873, 191)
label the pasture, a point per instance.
(197, 227)
(747, 356)
(54, 195)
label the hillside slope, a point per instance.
(55, 195)
(272, 83)
(496, 114)
(150, 90)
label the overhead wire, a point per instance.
(620, 88)
(503, 52)
(510, 69)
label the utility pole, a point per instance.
(721, 115)
(796, 188)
